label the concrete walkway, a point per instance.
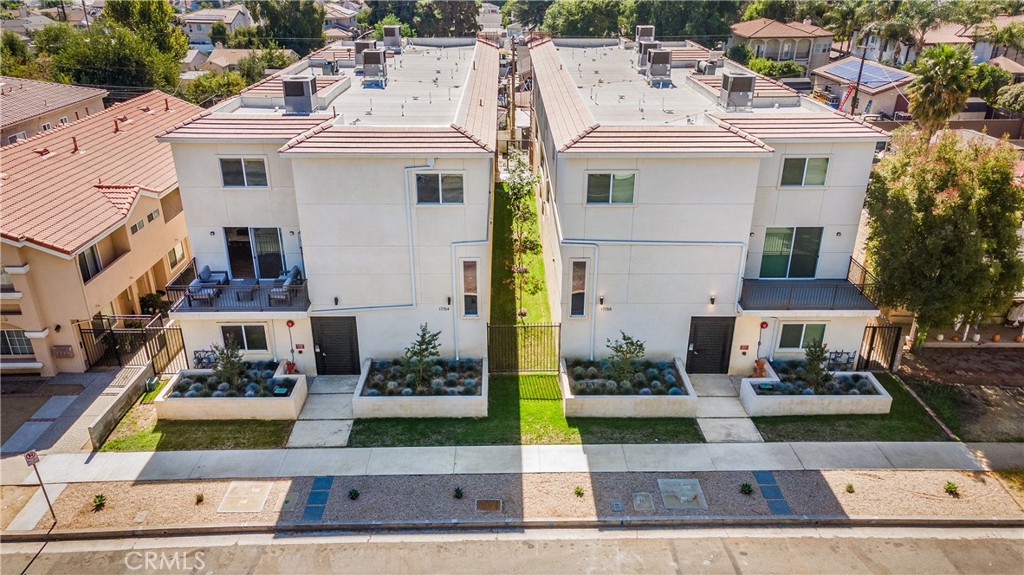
(720, 415)
(326, 417)
(179, 465)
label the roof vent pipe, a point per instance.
(74, 141)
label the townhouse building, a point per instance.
(92, 221)
(710, 212)
(197, 25)
(28, 107)
(337, 205)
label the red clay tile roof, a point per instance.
(687, 53)
(383, 140)
(62, 200)
(768, 28)
(566, 113)
(242, 127)
(667, 140)
(272, 85)
(834, 126)
(23, 99)
(1007, 64)
(764, 87)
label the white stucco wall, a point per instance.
(201, 330)
(842, 333)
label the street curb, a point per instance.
(789, 521)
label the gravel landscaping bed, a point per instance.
(12, 500)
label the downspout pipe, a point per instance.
(455, 270)
(412, 255)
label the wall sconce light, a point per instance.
(213, 233)
(839, 234)
(601, 300)
(56, 328)
(712, 300)
(449, 300)
(291, 233)
(335, 300)
(751, 234)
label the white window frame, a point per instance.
(137, 226)
(47, 126)
(611, 183)
(476, 293)
(803, 334)
(803, 178)
(16, 137)
(63, 120)
(243, 345)
(586, 285)
(153, 215)
(19, 344)
(245, 176)
(173, 251)
(440, 189)
(99, 262)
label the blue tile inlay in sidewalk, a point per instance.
(779, 507)
(771, 492)
(764, 478)
(322, 483)
(313, 513)
(317, 498)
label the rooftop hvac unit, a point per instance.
(644, 33)
(641, 48)
(299, 94)
(375, 69)
(393, 37)
(737, 90)
(325, 66)
(715, 55)
(706, 68)
(362, 46)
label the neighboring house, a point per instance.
(1016, 69)
(882, 89)
(26, 25)
(193, 60)
(692, 211)
(28, 107)
(77, 17)
(800, 42)
(953, 34)
(489, 17)
(91, 222)
(222, 59)
(338, 16)
(197, 24)
(337, 213)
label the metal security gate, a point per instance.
(880, 348)
(523, 347)
(137, 341)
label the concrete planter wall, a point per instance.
(773, 405)
(209, 408)
(367, 407)
(628, 405)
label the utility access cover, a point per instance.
(682, 494)
(245, 497)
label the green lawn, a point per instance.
(503, 300)
(907, 421)
(970, 417)
(523, 410)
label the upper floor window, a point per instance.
(15, 137)
(471, 303)
(153, 215)
(610, 188)
(176, 255)
(138, 226)
(578, 291)
(63, 120)
(6, 284)
(14, 342)
(790, 252)
(439, 188)
(804, 171)
(47, 126)
(243, 172)
(89, 262)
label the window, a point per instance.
(176, 255)
(153, 215)
(47, 126)
(610, 188)
(578, 301)
(63, 120)
(10, 308)
(437, 188)
(138, 226)
(15, 137)
(804, 171)
(243, 172)
(471, 304)
(790, 252)
(89, 263)
(247, 337)
(6, 284)
(801, 335)
(14, 342)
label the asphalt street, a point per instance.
(725, 551)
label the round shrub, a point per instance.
(201, 378)
(407, 391)
(856, 377)
(218, 393)
(192, 394)
(655, 384)
(451, 382)
(224, 387)
(378, 377)
(469, 382)
(437, 383)
(253, 373)
(231, 393)
(469, 390)
(181, 386)
(396, 370)
(592, 372)
(611, 386)
(437, 370)
(645, 391)
(662, 365)
(175, 394)
(641, 378)
(267, 373)
(392, 385)
(452, 375)
(382, 364)
(625, 387)
(373, 393)
(579, 372)
(669, 379)
(250, 393)
(854, 392)
(196, 387)
(410, 379)
(453, 364)
(807, 391)
(675, 391)
(652, 373)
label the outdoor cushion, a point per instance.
(204, 274)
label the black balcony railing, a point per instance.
(803, 295)
(239, 294)
(865, 281)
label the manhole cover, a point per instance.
(643, 502)
(682, 494)
(618, 507)
(488, 505)
(245, 497)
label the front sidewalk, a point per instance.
(526, 459)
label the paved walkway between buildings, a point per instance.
(180, 465)
(326, 417)
(720, 415)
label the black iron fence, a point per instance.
(523, 347)
(138, 341)
(864, 280)
(880, 348)
(802, 294)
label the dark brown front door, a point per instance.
(709, 345)
(335, 345)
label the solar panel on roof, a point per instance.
(873, 75)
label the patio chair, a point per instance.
(205, 286)
(283, 292)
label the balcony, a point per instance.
(239, 294)
(856, 292)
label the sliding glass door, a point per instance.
(790, 252)
(255, 252)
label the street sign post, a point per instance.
(32, 459)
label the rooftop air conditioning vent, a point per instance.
(644, 33)
(299, 94)
(659, 66)
(375, 69)
(642, 47)
(737, 90)
(393, 37)
(362, 46)
(706, 68)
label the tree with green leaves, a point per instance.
(230, 364)
(816, 376)
(529, 13)
(844, 17)
(153, 20)
(584, 18)
(519, 189)
(297, 25)
(53, 38)
(447, 18)
(252, 68)
(213, 87)
(942, 85)
(419, 353)
(391, 20)
(13, 53)
(108, 54)
(987, 80)
(219, 33)
(248, 38)
(404, 10)
(921, 16)
(705, 21)
(625, 351)
(1011, 98)
(773, 69)
(943, 230)
(740, 53)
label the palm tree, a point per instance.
(844, 18)
(942, 85)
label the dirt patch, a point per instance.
(975, 366)
(141, 417)
(12, 500)
(16, 410)
(1013, 480)
(992, 413)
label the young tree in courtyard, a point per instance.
(987, 80)
(519, 188)
(942, 85)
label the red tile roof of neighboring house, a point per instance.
(210, 126)
(801, 126)
(1007, 64)
(768, 28)
(947, 34)
(60, 199)
(22, 99)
